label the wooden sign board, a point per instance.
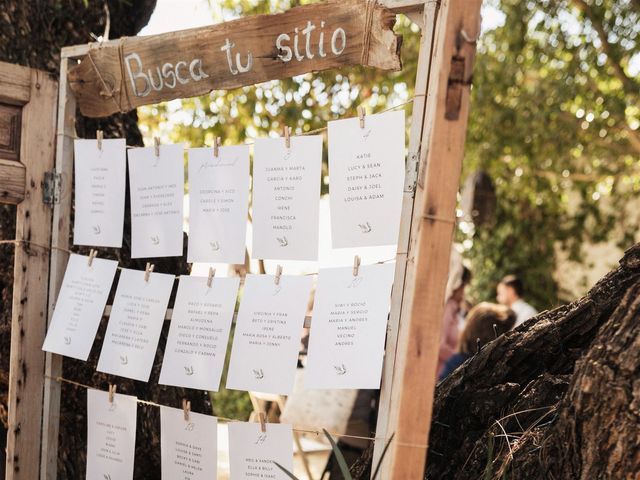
(125, 74)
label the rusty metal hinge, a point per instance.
(455, 87)
(51, 188)
(411, 172)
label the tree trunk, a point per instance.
(557, 398)
(32, 34)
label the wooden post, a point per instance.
(416, 134)
(59, 240)
(31, 269)
(414, 357)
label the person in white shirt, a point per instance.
(509, 293)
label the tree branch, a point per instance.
(630, 85)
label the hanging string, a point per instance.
(310, 132)
(316, 432)
(69, 252)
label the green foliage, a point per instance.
(554, 121)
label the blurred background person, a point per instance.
(459, 278)
(484, 323)
(509, 293)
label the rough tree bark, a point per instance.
(557, 398)
(32, 34)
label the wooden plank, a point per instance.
(15, 84)
(13, 176)
(65, 133)
(419, 130)
(121, 75)
(430, 244)
(31, 269)
(10, 125)
(405, 6)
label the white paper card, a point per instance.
(349, 325)
(218, 204)
(286, 198)
(79, 307)
(197, 343)
(111, 436)
(266, 341)
(156, 185)
(252, 452)
(366, 170)
(136, 320)
(99, 192)
(189, 448)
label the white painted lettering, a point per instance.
(181, 79)
(288, 55)
(295, 46)
(195, 69)
(321, 42)
(307, 32)
(138, 75)
(228, 45)
(160, 82)
(338, 32)
(248, 66)
(169, 75)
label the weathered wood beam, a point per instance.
(59, 242)
(13, 176)
(30, 284)
(125, 74)
(441, 155)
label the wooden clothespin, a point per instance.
(361, 114)
(286, 133)
(356, 265)
(278, 274)
(216, 146)
(263, 422)
(148, 271)
(156, 145)
(99, 137)
(92, 255)
(212, 273)
(112, 392)
(186, 408)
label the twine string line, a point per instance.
(310, 132)
(317, 432)
(17, 242)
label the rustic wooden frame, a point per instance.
(440, 110)
(21, 183)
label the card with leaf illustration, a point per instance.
(218, 204)
(111, 435)
(366, 171)
(286, 198)
(188, 446)
(79, 306)
(100, 176)
(266, 341)
(156, 188)
(349, 324)
(253, 453)
(197, 341)
(134, 327)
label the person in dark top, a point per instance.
(485, 322)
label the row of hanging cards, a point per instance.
(188, 443)
(366, 166)
(348, 324)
